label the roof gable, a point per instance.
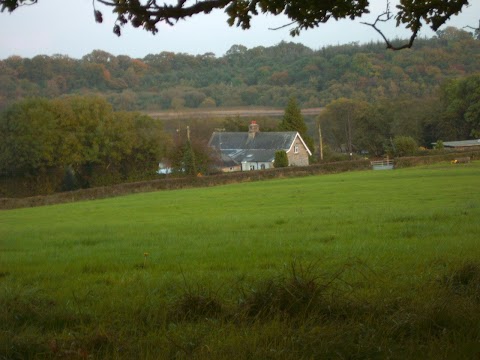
(303, 142)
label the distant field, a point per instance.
(368, 264)
(226, 112)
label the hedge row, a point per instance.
(426, 160)
(181, 183)
(220, 179)
(54, 180)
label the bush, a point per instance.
(330, 155)
(404, 146)
(281, 159)
(439, 145)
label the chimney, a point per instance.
(253, 129)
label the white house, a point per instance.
(255, 150)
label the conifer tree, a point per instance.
(189, 159)
(293, 121)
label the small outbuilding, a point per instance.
(463, 144)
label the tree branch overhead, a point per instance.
(305, 14)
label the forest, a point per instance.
(86, 117)
(262, 76)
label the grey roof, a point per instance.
(462, 143)
(240, 147)
(228, 160)
(261, 140)
(255, 155)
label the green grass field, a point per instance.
(370, 264)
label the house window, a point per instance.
(252, 167)
(296, 149)
(262, 166)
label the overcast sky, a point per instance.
(68, 27)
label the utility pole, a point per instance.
(320, 140)
(219, 130)
(349, 134)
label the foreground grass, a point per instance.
(355, 265)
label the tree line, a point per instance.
(78, 142)
(453, 113)
(261, 76)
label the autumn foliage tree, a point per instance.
(243, 77)
(192, 157)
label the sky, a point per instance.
(68, 27)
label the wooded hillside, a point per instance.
(262, 76)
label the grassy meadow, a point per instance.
(360, 265)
